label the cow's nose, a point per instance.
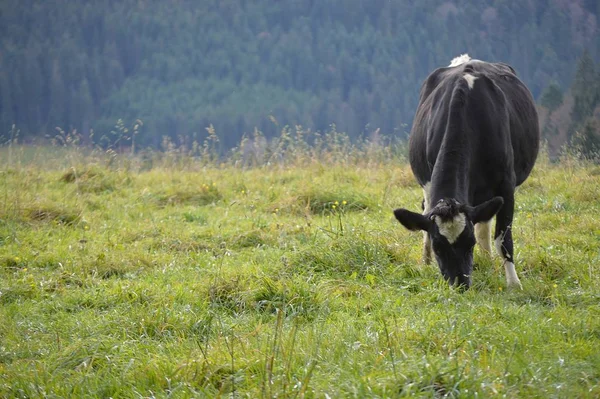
(462, 281)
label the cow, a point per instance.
(474, 139)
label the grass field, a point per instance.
(138, 277)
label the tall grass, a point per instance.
(277, 270)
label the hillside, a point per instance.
(181, 65)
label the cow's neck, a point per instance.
(450, 174)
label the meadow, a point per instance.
(281, 275)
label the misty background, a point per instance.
(182, 65)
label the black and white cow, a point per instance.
(475, 137)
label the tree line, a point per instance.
(572, 117)
(182, 65)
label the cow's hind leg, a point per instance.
(483, 234)
(503, 239)
(426, 248)
(426, 240)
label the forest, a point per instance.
(180, 65)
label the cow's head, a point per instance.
(450, 226)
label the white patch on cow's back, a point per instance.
(470, 79)
(461, 59)
(451, 229)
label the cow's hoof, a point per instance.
(514, 285)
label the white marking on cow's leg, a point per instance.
(512, 280)
(483, 235)
(451, 229)
(426, 194)
(461, 59)
(498, 244)
(426, 240)
(470, 79)
(426, 248)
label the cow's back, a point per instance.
(509, 102)
(524, 125)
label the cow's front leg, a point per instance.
(504, 242)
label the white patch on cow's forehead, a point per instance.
(470, 79)
(461, 59)
(451, 229)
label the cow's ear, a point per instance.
(486, 211)
(412, 220)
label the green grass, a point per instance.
(283, 280)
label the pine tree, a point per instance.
(552, 97)
(587, 139)
(585, 90)
(7, 117)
